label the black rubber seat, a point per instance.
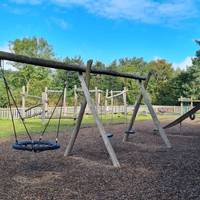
(109, 135)
(132, 131)
(36, 146)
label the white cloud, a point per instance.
(183, 64)
(60, 22)
(157, 58)
(147, 11)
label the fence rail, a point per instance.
(71, 111)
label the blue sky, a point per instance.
(106, 29)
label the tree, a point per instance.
(162, 73)
(136, 66)
(192, 84)
(70, 77)
(13, 82)
(173, 89)
(32, 75)
(184, 83)
(61, 76)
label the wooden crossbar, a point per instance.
(35, 106)
(62, 65)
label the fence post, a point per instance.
(112, 103)
(75, 101)
(181, 99)
(106, 102)
(125, 101)
(64, 100)
(23, 101)
(96, 99)
(44, 105)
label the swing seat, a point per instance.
(36, 145)
(132, 131)
(109, 135)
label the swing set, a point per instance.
(31, 145)
(41, 145)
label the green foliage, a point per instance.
(35, 78)
(165, 87)
(162, 73)
(35, 47)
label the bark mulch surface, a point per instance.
(148, 170)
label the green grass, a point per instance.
(35, 126)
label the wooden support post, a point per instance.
(136, 109)
(44, 105)
(23, 101)
(112, 103)
(125, 102)
(181, 99)
(45, 102)
(96, 99)
(99, 103)
(153, 114)
(106, 102)
(81, 112)
(191, 103)
(98, 122)
(75, 101)
(99, 98)
(64, 100)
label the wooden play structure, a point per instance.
(112, 97)
(38, 109)
(104, 100)
(84, 74)
(187, 104)
(188, 110)
(43, 109)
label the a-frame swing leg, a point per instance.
(88, 100)
(98, 122)
(80, 115)
(135, 111)
(153, 114)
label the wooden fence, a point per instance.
(71, 111)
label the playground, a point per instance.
(121, 154)
(148, 170)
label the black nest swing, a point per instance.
(36, 145)
(33, 145)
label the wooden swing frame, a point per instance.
(85, 82)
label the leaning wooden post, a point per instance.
(153, 114)
(81, 113)
(136, 109)
(93, 109)
(23, 101)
